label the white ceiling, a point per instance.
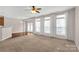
(23, 12)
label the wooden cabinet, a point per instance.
(1, 21)
(5, 33)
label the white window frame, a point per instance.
(37, 25)
(30, 27)
(61, 17)
(47, 20)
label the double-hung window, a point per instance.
(47, 25)
(37, 25)
(29, 27)
(61, 24)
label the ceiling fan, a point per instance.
(34, 9)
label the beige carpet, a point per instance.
(35, 43)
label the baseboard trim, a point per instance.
(19, 34)
(53, 37)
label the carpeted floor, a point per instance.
(35, 43)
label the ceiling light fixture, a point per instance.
(33, 11)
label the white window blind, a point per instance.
(37, 25)
(29, 27)
(61, 24)
(47, 25)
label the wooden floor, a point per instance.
(35, 43)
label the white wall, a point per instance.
(77, 27)
(70, 24)
(16, 24)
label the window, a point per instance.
(61, 24)
(47, 25)
(30, 27)
(37, 25)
